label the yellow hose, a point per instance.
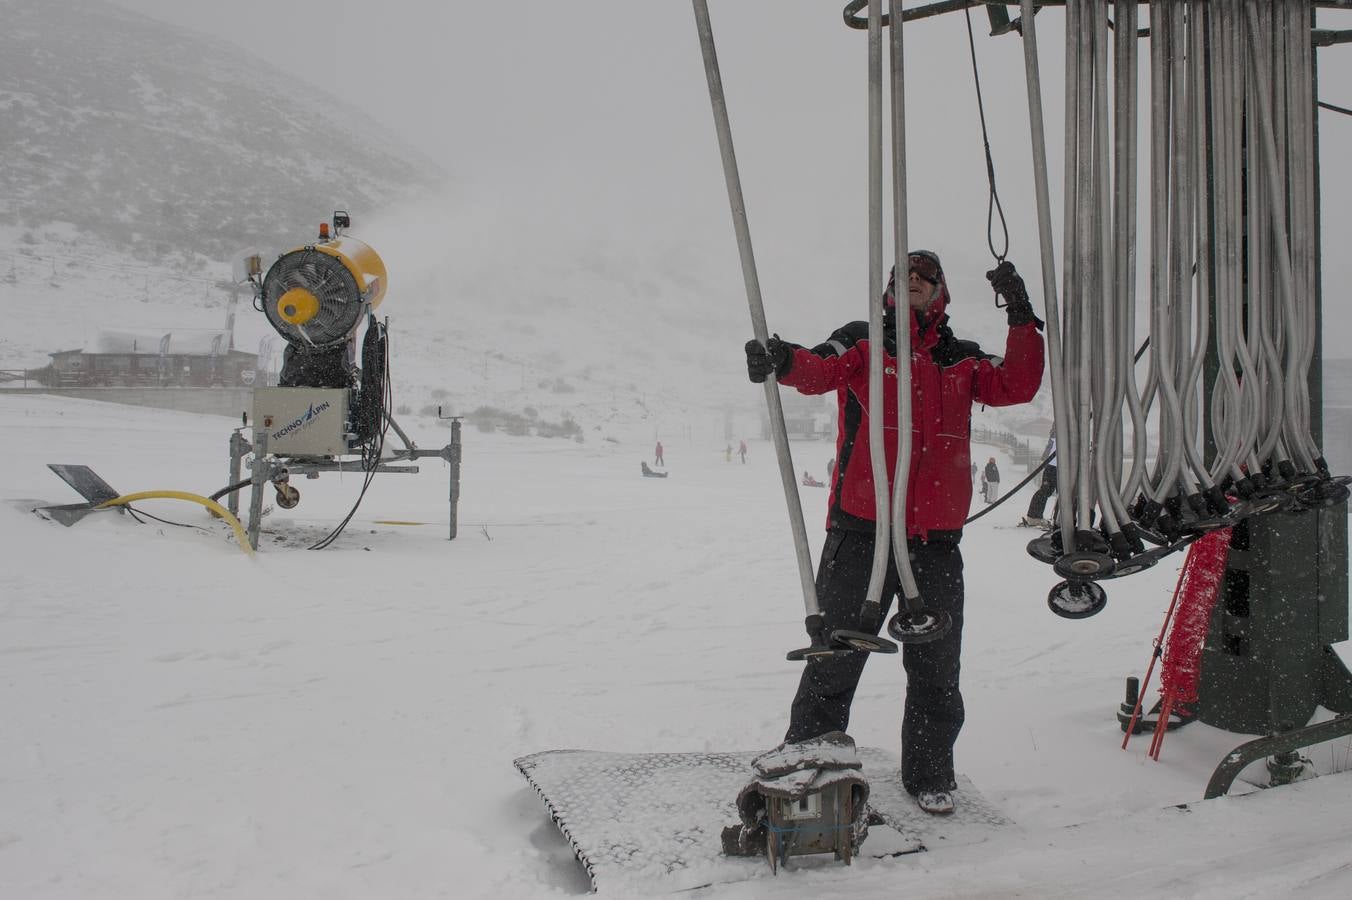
(184, 495)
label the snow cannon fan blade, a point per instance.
(311, 299)
(317, 295)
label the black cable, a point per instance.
(237, 486)
(372, 448)
(993, 205)
(137, 513)
(1338, 109)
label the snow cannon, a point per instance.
(317, 296)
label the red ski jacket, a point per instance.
(947, 377)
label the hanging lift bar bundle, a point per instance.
(1223, 433)
(1232, 287)
(1221, 429)
(998, 10)
(1223, 74)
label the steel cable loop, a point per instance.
(882, 513)
(993, 203)
(1249, 268)
(1052, 306)
(1195, 275)
(1068, 472)
(1270, 161)
(1126, 133)
(1078, 176)
(1257, 275)
(1159, 166)
(1230, 414)
(1253, 280)
(1268, 61)
(1105, 276)
(1223, 426)
(1172, 474)
(1301, 42)
(1224, 398)
(901, 476)
(1110, 439)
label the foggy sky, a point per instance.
(592, 118)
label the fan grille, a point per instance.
(326, 277)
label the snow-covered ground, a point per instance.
(181, 720)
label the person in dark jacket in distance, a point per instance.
(948, 376)
(990, 479)
(1037, 507)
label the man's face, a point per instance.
(920, 293)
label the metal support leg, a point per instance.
(262, 474)
(238, 448)
(453, 457)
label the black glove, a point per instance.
(774, 356)
(1009, 285)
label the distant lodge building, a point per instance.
(183, 358)
(805, 416)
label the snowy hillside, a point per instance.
(175, 147)
(139, 157)
(182, 720)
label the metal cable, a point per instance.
(993, 203)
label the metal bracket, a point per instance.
(1241, 756)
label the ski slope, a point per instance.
(181, 720)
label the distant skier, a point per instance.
(657, 454)
(990, 477)
(741, 451)
(1038, 505)
(727, 454)
(948, 376)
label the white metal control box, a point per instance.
(302, 421)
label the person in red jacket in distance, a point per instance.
(948, 376)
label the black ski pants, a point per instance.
(1038, 505)
(933, 713)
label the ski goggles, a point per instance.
(927, 267)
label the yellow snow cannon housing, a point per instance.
(316, 295)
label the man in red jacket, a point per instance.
(947, 376)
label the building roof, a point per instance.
(183, 341)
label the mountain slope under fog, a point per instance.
(171, 145)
